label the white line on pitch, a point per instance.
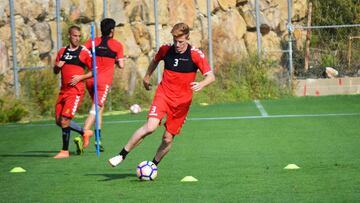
(261, 108)
(203, 119)
(274, 116)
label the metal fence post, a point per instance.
(290, 30)
(210, 35)
(105, 16)
(58, 31)
(157, 43)
(258, 34)
(58, 26)
(13, 42)
(104, 9)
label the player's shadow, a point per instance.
(112, 176)
(31, 154)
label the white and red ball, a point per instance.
(146, 170)
(135, 108)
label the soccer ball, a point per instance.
(135, 108)
(146, 170)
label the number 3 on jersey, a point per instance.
(153, 111)
(176, 63)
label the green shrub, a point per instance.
(40, 89)
(242, 81)
(11, 111)
(328, 60)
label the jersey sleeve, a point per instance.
(86, 57)
(200, 60)
(162, 52)
(116, 47)
(59, 55)
(119, 51)
(87, 44)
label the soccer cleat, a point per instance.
(78, 144)
(86, 137)
(116, 160)
(102, 149)
(62, 154)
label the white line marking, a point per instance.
(261, 108)
(201, 119)
(275, 116)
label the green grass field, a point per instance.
(235, 152)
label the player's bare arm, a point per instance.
(209, 78)
(58, 66)
(77, 78)
(149, 72)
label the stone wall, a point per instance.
(233, 21)
(322, 87)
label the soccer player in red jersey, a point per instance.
(109, 52)
(174, 94)
(71, 61)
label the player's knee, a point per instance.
(150, 128)
(65, 122)
(168, 138)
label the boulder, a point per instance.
(142, 36)
(117, 12)
(226, 4)
(271, 44)
(4, 60)
(126, 36)
(202, 6)
(162, 9)
(182, 11)
(44, 43)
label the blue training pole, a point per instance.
(95, 90)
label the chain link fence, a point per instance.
(313, 48)
(322, 47)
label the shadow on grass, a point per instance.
(31, 154)
(112, 176)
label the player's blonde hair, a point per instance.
(180, 29)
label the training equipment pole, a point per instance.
(95, 90)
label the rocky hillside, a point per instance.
(233, 22)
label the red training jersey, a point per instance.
(107, 50)
(179, 71)
(75, 63)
